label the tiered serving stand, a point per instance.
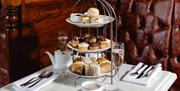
(109, 24)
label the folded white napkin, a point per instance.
(16, 86)
(143, 80)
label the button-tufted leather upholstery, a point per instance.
(148, 31)
(146, 27)
(175, 47)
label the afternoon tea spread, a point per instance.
(89, 45)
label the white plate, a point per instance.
(88, 51)
(107, 19)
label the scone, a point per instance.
(85, 19)
(104, 64)
(97, 19)
(101, 59)
(93, 12)
(83, 46)
(94, 46)
(77, 68)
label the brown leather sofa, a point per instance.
(150, 31)
(175, 47)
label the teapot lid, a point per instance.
(57, 51)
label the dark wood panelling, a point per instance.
(4, 67)
(46, 20)
(21, 48)
(38, 25)
(4, 75)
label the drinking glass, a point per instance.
(118, 57)
(62, 41)
(118, 54)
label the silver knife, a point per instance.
(142, 73)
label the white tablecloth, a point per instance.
(66, 83)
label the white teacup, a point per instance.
(91, 86)
(76, 17)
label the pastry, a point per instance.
(97, 19)
(108, 42)
(94, 46)
(99, 60)
(104, 64)
(89, 70)
(87, 35)
(93, 40)
(75, 42)
(83, 46)
(78, 60)
(97, 69)
(92, 12)
(85, 19)
(87, 40)
(102, 43)
(77, 68)
(82, 39)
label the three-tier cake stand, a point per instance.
(108, 27)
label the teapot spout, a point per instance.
(52, 58)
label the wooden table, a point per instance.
(66, 83)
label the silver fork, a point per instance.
(147, 73)
(33, 79)
(137, 72)
(45, 76)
